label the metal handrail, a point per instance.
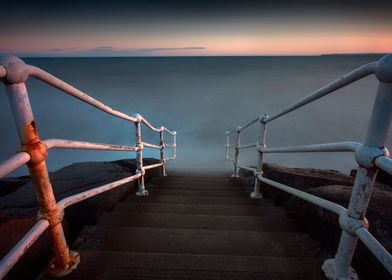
(14, 72)
(81, 145)
(319, 148)
(385, 163)
(65, 87)
(331, 206)
(347, 79)
(22, 246)
(369, 156)
(13, 163)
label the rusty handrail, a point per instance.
(14, 72)
(369, 156)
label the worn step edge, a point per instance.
(198, 178)
(185, 192)
(192, 182)
(192, 221)
(96, 263)
(208, 209)
(196, 187)
(198, 200)
(197, 241)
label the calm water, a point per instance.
(201, 98)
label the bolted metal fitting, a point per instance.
(262, 118)
(175, 132)
(142, 193)
(138, 117)
(59, 270)
(384, 69)
(330, 271)
(17, 71)
(142, 172)
(54, 216)
(38, 151)
(238, 129)
(365, 156)
(350, 225)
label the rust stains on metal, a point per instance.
(54, 216)
(33, 146)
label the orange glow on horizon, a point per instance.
(220, 44)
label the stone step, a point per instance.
(105, 265)
(200, 209)
(196, 182)
(200, 181)
(198, 200)
(184, 192)
(207, 187)
(198, 178)
(189, 221)
(196, 241)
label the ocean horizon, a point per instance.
(201, 98)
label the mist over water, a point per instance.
(200, 98)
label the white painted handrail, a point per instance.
(63, 86)
(81, 145)
(369, 156)
(22, 246)
(385, 163)
(73, 199)
(320, 148)
(13, 163)
(347, 79)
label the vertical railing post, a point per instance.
(139, 156)
(227, 145)
(237, 152)
(175, 144)
(261, 143)
(340, 266)
(64, 260)
(162, 151)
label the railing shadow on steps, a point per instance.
(370, 156)
(33, 152)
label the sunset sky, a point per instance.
(194, 27)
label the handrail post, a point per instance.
(261, 143)
(162, 151)
(227, 145)
(64, 260)
(340, 266)
(237, 152)
(175, 144)
(139, 156)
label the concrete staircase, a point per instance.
(196, 228)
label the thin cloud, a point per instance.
(61, 50)
(113, 51)
(171, 49)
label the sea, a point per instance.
(201, 98)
